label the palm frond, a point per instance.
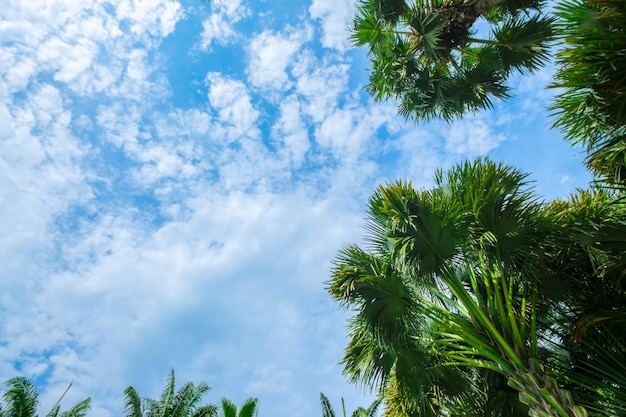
(592, 71)
(249, 408)
(79, 410)
(327, 408)
(524, 44)
(133, 404)
(21, 398)
(228, 408)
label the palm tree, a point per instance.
(21, 400)
(182, 403)
(248, 409)
(415, 237)
(455, 305)
(592, 71)
(328, 411)
(425, 53)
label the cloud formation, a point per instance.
(141, 232)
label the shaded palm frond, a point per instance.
(133, 403)
(592, 71)
(327, 408)
(524, 44)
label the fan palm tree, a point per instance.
(248, 409)
(21, 400)
(425, 53)
(455, 296)
(328, 411)
(415, 237)
(591, 70)
(182, 403)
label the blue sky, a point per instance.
(176, 179)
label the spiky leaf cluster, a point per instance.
(184, 402)
(473, 296)
(424, 53)
(21, 400)
(592, 71)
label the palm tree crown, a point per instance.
(425, 54)
(474, 296)
(182, 403)
(21, 400)
(248, 409)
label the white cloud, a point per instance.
(7, 127)
(232, 100)
(472, 136)
(218, 27)
(149, 18)
(336, 16)
(271, 54)
(291, 133)
(321, 84)
(217, 265)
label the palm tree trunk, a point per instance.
(460, 17)
(540, 391)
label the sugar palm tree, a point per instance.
(457, 286)
(248, 409)
(182, 403)
(414, 238)
(21, 400)
(425, 54)
(591, 70)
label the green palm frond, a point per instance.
(327, 408)
(367, 361)
(167, 396)
(182, 403)
(249, 408)
(593, 368)
(187, 399)
(524, 311)
(424, 56)
(592, 71)
(205, 411)
(79, 410)
(368, 30)
(21, 398)
(228, 408)
(524, 44)
(421, 229)
(133, 405)
(424, 32)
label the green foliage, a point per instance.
(592, 71)
(328, 411)
(182, 403)
(229, 409)
(475, 298)
(21, 400)
(423, 52)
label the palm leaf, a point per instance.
(21, 398)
